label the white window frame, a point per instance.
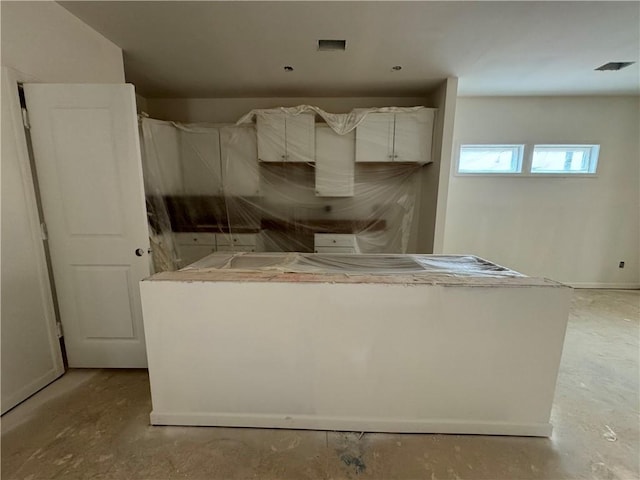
(518, 149)
(592, 152)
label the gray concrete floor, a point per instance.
(93, 424)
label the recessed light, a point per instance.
(614, 66)
(396, 68)
(288, 68)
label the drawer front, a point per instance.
(236, 248)
(193, 253)
(238, 239)
(196, 238)
(334, 240)
(335, 250)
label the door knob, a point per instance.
(139, 252)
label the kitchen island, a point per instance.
(384, 343)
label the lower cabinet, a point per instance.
(194, 246)
(239, 242)
(335, 243)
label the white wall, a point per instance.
(41, 42)
(229, 110)
(435, 177)
(574, 230)
(45, 43)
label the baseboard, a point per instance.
(351, 424)
(617, 286)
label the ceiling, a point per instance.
(239, 49)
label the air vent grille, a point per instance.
(332, 45)
(614, 66)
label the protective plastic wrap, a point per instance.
(285, 183)
(363, 264)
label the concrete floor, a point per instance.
(94, 424)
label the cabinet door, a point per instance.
(192, 253)
(413, 135)
(239, 162)
(163, 174)
(300, 136)
(334, 163)
(374, 138)
(200, 160)
(271, 137)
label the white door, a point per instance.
(30, 348)
(87, 154)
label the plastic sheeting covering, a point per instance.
(271, 185)
(365, 264)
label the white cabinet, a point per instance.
(334, 162)
(396, 137)
(335, 243)
(286, 138)
(194, 246)
(162, 169)
(374, 138)
(239, 242)
(239, 161)
(200, 160)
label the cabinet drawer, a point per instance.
(192, 253)
(334, 240)
(237, 239)
(196, 238)
(335, 250)
(236, 248)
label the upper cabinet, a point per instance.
(162, 168)
(239, 161)
(334, 162)
(286, 138)
(396, 137)
(200, 158)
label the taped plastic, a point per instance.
(359, 264)
(285, 183)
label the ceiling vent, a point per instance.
(614, 66)
(332, 45)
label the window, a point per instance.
(565, 159)
(490, 159)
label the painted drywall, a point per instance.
(435, 177)
(229, 110)
(574, 230)
(41, 42)
(45, 43)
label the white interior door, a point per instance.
(31, 356)
(87, 154)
